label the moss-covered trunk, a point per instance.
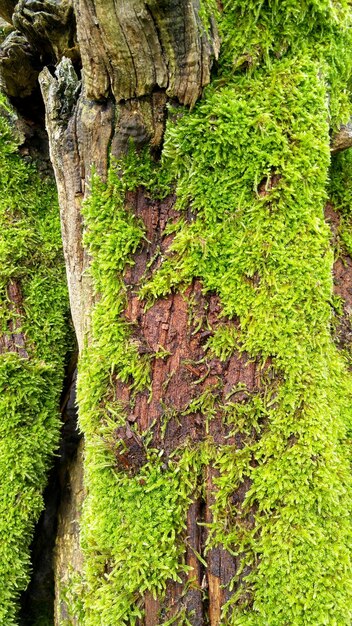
(213, 485)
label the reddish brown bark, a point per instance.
(342, 274)
(180, 325)
(14, 340)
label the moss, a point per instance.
(112, 236)
(30, 254)
(137, 542)
(252, 161)
(208, 14)
(258, 33)
(129, 524)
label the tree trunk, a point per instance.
(213, 392)
(125, 90)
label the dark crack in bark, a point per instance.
(37, 602)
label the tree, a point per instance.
(191, 147)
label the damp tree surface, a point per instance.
(200, 154)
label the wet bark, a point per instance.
(342, 274)
(186, 373)
(13, 340)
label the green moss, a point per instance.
(133, 549)
(258, 33)
(112, 236)
(208, 13)
(30, 254)
(252, 161)
(129, 524)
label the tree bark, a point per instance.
(125, 88)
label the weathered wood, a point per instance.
(49, 26)
(18, 66)
(45, 33)
(68, 560)
(71, 158)
(142, 46)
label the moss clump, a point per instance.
(257, 34)
(132, 542)
(30, 255)
(112, 236)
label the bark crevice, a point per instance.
(38, 601)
